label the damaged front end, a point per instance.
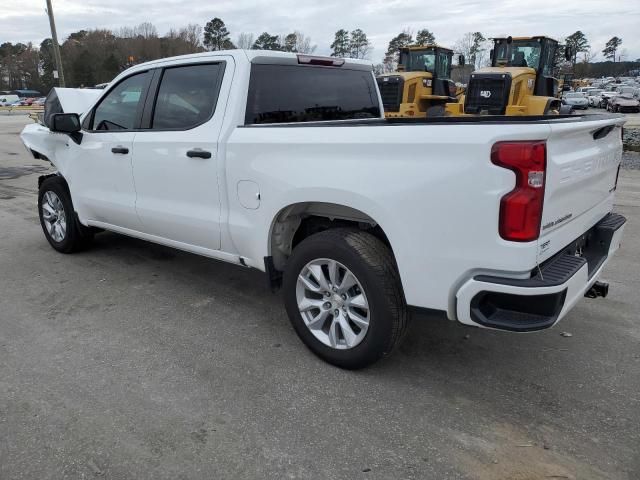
(38, 139)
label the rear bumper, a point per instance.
(538, 302)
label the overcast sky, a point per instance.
(25, 20)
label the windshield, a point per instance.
(419, 61)
(524, 53)
(595, 92)
(574, 95)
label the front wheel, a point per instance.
(343, 296)
(57, 217)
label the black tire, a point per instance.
(566, 110)
(77, 237)
(372, 262)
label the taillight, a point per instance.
(521, 208)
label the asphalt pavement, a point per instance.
(135, 361)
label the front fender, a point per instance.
(44, 144)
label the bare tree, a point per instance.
(303, 43)
(359, 45)
(192, 34)
(245, 41)
(146, 30)
(464, 45)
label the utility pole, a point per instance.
(56, 47)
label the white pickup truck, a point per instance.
(285, 163)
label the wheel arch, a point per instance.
(295, 222)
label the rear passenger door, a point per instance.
(175, 160)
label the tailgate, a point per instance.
(583, 158)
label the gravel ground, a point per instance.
(631, 139)
(631, 160)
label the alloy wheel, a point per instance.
(53, 214)
(332, 303)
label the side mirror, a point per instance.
(461, 60)
(65, 123)
(68, 123)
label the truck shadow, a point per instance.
(445, 376)
(433, 343)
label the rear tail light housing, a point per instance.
(521, 208)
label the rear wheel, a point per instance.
(57, 217)
(343, 296)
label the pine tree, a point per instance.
(391, 57)
(578, 43)
(290, 43)
(341, 44)
(425, 37)
(267, 42)
(216, 36)
(611, 47)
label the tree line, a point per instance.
(96, 56)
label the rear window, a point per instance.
(289, 94)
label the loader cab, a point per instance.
(538, 53)
(430, 58)
(421, 85)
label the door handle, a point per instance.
(120, 149)
(198, 153)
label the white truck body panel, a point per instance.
(430, 187)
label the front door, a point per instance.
(100, 174)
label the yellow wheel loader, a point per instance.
(520, 80)
(421, 86)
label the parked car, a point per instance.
(595, 97)
(627, 90)
(285, 163)
(576, 100)
(605, 97)
(6, 100)
(625, 103)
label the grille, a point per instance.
(487, 93)
(391, 92)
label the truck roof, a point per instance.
(257, 56)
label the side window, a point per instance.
(187, 96)
(443, 65)
(120, 108)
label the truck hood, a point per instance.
(75, 100)
(69, 100)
